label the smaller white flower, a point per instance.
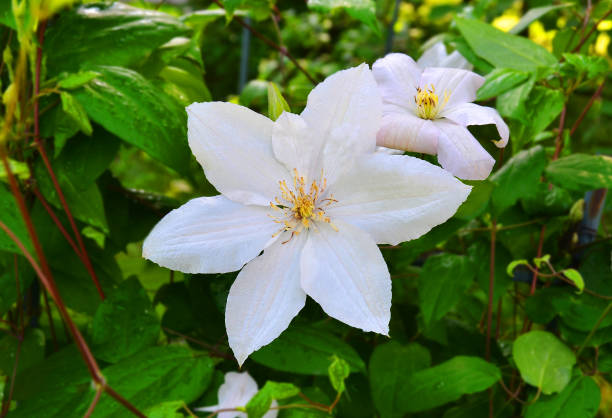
(436, 56)
(236, 391)
(429, 110)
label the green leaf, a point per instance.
(260, 403)
(153, 376)
(19, 169)
(106, 34)
(11, 217)
(124, 323)
(133, 109)
(579, 65)
(338, 371)
(258, 9)
(538, 261)
(31, 351)
(71, 81)
(518, 177)
(443, 280)
(499, 81)
(447, 382)
(73, 108)
(504, 50)
(6, 15)
(532, 15)
(363, 10)
(306, 350)
(276, 102)
(476, 202)
(543, 361)
(166, 410)
(515, 264)
(390, 364)
(575, 277)
(579, 399)
(581, 172)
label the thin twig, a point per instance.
(590, 32)
(271, 44)
(94, 402)
(586, 109)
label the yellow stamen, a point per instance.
(301, 205)
(428, 103)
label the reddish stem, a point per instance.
(93, 404)
(559, 140)
(56, 221)
(123, 401)
(491, 290)
(7, 402)
(590, 32)
(83, 253)
(586, 109)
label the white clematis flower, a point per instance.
(236, 391)
(309, 191)
(436, 56)
(429, 110)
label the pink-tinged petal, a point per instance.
(396, 198)
(345, 273)
(461, 154)
(234, 146)
(265, 297)
(460, 85)
(209, 235)
(467, 114)
(398, 77)
(408, 132)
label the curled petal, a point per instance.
(461, 154)
(436, 56)
(265, 297)
(459, 85)
(467, 114)
(234, 146)
(408, 132)
(397, 76)
(209, 235)
(345, 273)
(396, 198)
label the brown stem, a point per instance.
(559, 140)
(7, 402)
(45, 158)
(586, 109)
(271, 44)
(94, 402)
(590, 32)
(123, 401)
(57, 222)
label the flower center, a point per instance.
(428, 103)
(300, 205)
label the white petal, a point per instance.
(236, 390)
(209, 235)
(295, 145)
(456, 60)
(397, 76)
(396, 198)
(233, 145)
(389, 151)
(344, 272)
(460, 85)
(433, 57)
(272, 413)
(461, 154)
(408, 132)
(350, 98)
(265, 297)
(467, 114)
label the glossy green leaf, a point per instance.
(579, 399)
(499, 81)
(71, 81)
(476, 201)
(443, 280)
(11, 217)
(543, 360)
(446, 382)
(306, 350)
(515, 264)
(390, 364)
(124, 323)
(576, 278)
(581, 172)
(74, 109)
(29, 352)
(276, 102)
(260, 403)
(518, 177)
(504, 50)
(106, 34)
(133, 109)
(363, 10)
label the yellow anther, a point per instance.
(428, 103)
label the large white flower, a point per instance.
(310, 191)
(429, 110)
(236, 391)
(436, 56)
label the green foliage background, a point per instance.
(502, 311)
